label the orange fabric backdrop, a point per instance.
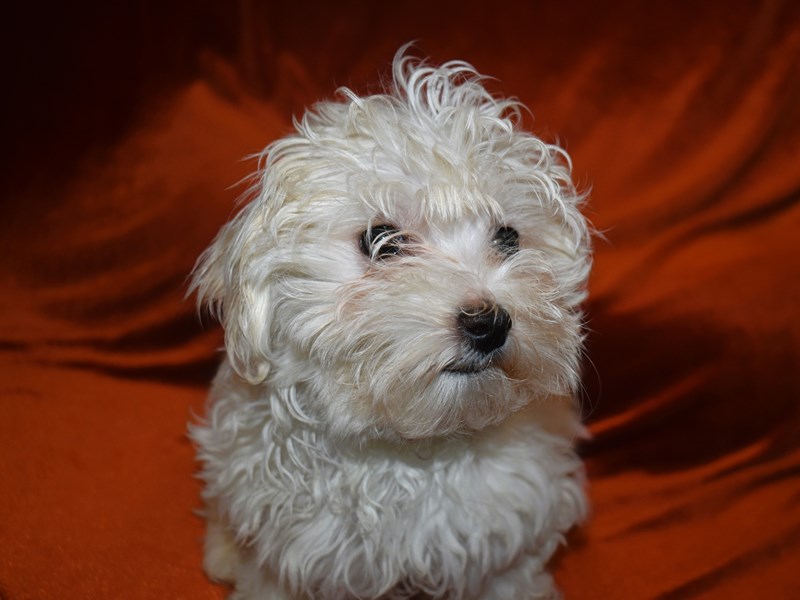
(127, 132)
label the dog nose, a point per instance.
(485, 326)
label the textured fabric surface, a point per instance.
(127, 133)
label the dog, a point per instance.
(401, 298)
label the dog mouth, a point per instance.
(468, 368)
(465, 370)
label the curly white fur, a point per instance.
(343, 457)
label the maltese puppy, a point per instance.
(401, 303)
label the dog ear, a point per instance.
(230, 280)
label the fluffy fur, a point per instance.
(358, 442)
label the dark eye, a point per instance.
(382, 241)
(506, 240)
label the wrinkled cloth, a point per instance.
(682, 118)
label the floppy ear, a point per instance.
(230, 279)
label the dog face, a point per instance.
(411, 262)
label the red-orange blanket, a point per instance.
(125, 136)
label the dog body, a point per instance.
(400, 299)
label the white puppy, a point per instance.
(400, 298)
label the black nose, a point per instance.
(485, 327)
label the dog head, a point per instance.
(410, 262)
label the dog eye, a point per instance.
(506, 240)
(382, 241)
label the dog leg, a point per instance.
(225, 562)
(257, 583)
(528, 580)
(222, 556)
